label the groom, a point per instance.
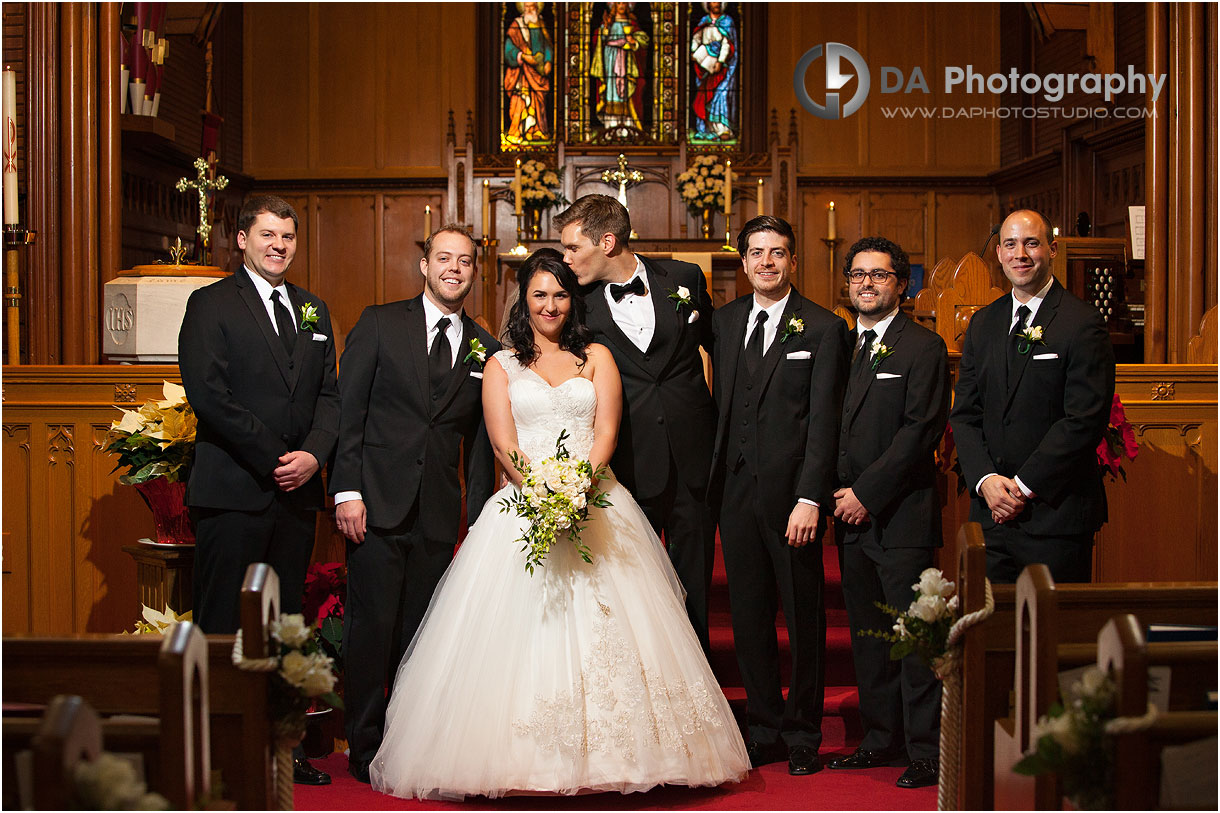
(412, 401)
(653, 315)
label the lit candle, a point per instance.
(1055, 232)
(760, 197)
(517, 189)
(486, 207)
(728, 189)
(10, 147)
(427, 221)
(830, 221)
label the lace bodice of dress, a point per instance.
(541, 411)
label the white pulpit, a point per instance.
(143, 310)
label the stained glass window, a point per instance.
(528, 76)
(713, 63)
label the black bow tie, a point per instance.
(636, 286)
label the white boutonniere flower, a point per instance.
(309, 316)
(680, 297)
(478, 353)
(794, 327)
(880, 353)
(1028, 337)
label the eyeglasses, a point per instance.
(878, 276)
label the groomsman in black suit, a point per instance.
(887, 506)
(780, 363)
(654, 315)
(257, 357)
(1032, 403)
(412, 388)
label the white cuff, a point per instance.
(347, 496)
(808, 502)
(1029, 495)
(978, 487)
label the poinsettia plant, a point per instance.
(1117, 442)
(157, 440)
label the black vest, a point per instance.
(743, 419)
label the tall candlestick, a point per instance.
(830, 221)
(728, 190)
(760, 198)
(10, 147)
(427, 221)
(486, 207)
(517, 188)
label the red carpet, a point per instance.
(770, 788)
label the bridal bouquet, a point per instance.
(555, 496)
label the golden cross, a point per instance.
(622, 176)
(204, 185)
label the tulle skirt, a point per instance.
(582, 677)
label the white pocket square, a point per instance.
(799, 354)
(475, 374)
(319, 337)
(888, 375)
(694, 317)
(1041, 356)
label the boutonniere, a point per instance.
(309, 316)
(793, 327)
(880, 353)
(680, 297)
(478, 353)
(1028, 337)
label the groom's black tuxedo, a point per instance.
(665, 436)
(1040, 422)
(254, 403)
(894, 414)
(399, 446)
(776, 443)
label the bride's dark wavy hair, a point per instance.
(575, 337)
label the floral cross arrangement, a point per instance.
(158, 440)
(924, 628)
(309, 317)
(555, 497)
(305, 674)
(793, 327)
(702, 185)
(1071, 741)
(1028, 337)
(540, 186)
(1117, 442)
(880, 352)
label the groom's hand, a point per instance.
(294, 470)
(802, 524)
(350, 516)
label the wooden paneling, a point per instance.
(345, 273)
(278, 105)
(402, 225)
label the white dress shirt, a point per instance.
(771, 326)
(878, 328)
(264, 289)
(635, 315)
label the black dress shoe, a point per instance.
(803, 760)
(761, 754)
(923, 772)
(359, 768)
(863, 758)
(305, 774)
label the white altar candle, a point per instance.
(486, 207)
(10, 147)
(517, 189)
(427, 221)
(830, 221)
(728, 190)
(760, 198)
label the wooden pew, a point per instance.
(923, 304)
(989, 654)
(1123, 651)
(117, 674)
(969, 290)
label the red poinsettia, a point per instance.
(325, 592)
(1117, 442)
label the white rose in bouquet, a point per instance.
(933, 583)
(290, 630)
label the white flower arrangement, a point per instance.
(109, 782)
(555, 497)
(924, 628)
(540, 186)
(305, 674)
(702, 185)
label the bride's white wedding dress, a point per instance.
(580, 677)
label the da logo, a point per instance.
(836, 78)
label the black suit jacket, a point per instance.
(797, 408)
(891, 426)
(666, 402)
(397, 444)
(1044, 423)
(253, 401)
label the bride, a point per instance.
(583, 676)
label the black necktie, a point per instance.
(440, 357)
(283, 322)
(754, 346)
(863, 355)
(636, 286)
(1014, 336)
